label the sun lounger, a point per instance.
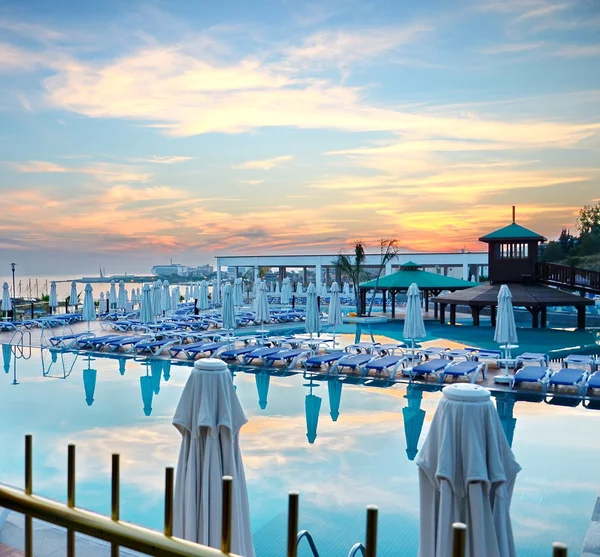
(327, 360)
(433, 351)
(260, 353)
(235, 353)
(580, 360)
(532, 374)
(175, 350)
(361, 347)
(593, 382)
(289, 357)
(66, 341)
(208, 348)
(353, 361)
(466, 368)
(455, 353)
(569, 377)
(429, 367)
(155, 347)
(481, 354)
(389, 349)
(532, 358)
(8, 326)
(96, 342)
(388, 364)
(126, 343)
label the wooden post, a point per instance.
(581, 317)
(452, 314)
(426, 300)
(475, 314)
(535, 312)
(393, 301)
(544, 317)
(384, 306)
(442, 314)
(435, 310)
(493, 309)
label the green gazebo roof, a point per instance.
(402, 279)
(410, 265)
(513, 231)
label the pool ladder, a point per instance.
(18, 347)
(354, 551)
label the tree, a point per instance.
(388, 248)
(588, 221)
(566, 240)
(354, 266)
(552, 251)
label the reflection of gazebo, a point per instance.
(428, 283)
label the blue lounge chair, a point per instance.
(532, 358)
(569, 377)
(465, 353)
(389, 364)
(289, 357)
(353, 361)
(260, 353)
(593, 382)
(361, 347)
(235, 353)
(206, 348)
(433, 351)
(127, 343)
(328, 360)
(96, 342)
(580, 360)
(481, 354)
(429, 367)
(66, 341)
(155, 347)
(389, 349)
(177, 349)
(532, 374)
(466, 368)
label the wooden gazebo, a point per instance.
(513, 260)
(429, 283)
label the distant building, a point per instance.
(203, 270)
(170, 270)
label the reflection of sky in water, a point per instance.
(359, 459)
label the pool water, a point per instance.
(359, 453)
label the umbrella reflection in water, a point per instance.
(505, 405)
(312, 407)
(156, 369)
(147, 387)
(334, 389)
(6, 355)
(89, 382)
(263, 380)
(414, 417)
(166, 367)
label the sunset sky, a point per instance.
(136, 132)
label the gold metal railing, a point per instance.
(150, 542)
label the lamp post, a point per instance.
(12, 266)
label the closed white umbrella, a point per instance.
(146, 312)
(277, 291)
(203, 301)
(102, 303)
(335, 309)
(165, 298)
(284, 298)
(346, 289)
(122, 297)
(53, 300)
(263, 314)
(313, 319)
(228, 312)
(112, 296)
(175, 297)
(138, 295)
(157, 298)
(73, 301)
(88, 312)
(6, 301)
(128, 303)
(196, 294)
(186, 295)
(506, 329)
(209, 417)
(299, 289)
(238, 293)
(216, 292)
(466, 474)
(414, 328)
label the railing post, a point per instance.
(71, 497)
(293, 509)
(28, 491)
(168, 502)
(371, 537)
(115, 498)
(559, 549)
(459, 539)
(226, 515)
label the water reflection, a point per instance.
(263, 380)
(6, 356)
(156, 369)
(334, 388)
(147, 388)
(505, 405)
(89, 382)
(122, 364)
(312, 407)
(56, 363)
(414, 417)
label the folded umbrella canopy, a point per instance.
(53, 298)
(146, 312)
(228, 311)
(414, 328)
(313, 317)
(299, 289)
(73, 300)
(203, 301)
(165, 299)
(157, 299)
(466, 474)
(263, 313)
(238, 293)
(506, 329)
(112, 296)
(209, 417)
(122, 297)
(335, 316)
(6, 301)
(89, 309)
(216, 292)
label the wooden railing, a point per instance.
(583, 280)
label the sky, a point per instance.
(133, 133)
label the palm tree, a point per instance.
(388, 248)
(353, 266)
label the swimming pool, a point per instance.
(360, 458)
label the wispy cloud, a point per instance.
(174, 159)
(265, 164)
(39, 167)
(103, 172)
(252, 182)
(508, 48)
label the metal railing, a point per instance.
(121, 534)
(585, 280)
